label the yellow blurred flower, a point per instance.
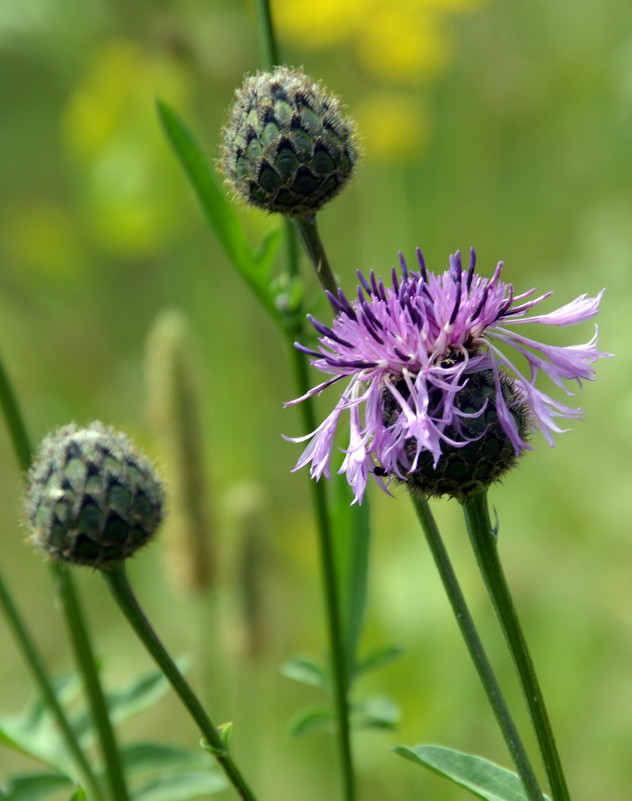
(401, 44)
(110, 127)
(395, 127)
(406, 41)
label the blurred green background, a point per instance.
(503, 125)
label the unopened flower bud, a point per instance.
(287, 147)
(92, 498)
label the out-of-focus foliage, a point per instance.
(500, 125)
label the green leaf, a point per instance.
(141, 693)
(140, 758)
(35, 733)
(306, 670)
(309, 720)
(180, 787)
(352, 532)
(377, 712)
(482, 778)
(219, 212)
(378, 658)
(78, 795)
(32, 786)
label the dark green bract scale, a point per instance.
(479, 463)
(92, 498)
(286, 146)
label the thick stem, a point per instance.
(311, 241)
(484, 543)
(33, 660)
(87, 665)
(116, 580)
(476, 650)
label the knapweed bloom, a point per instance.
(441, 388)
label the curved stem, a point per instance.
(87, 665)
(311, 241)
(36, 665)
(116, 580)
(484, 543)
(477, 652)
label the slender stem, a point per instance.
(332, 595)
(72, 610)
(14, 421)
(477, 652)
(116, 580)
(311, 241)
(266, 35)
(87, 665)
(485, 547)
(36, 665)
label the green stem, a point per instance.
(330, 588)
(72, 610)
(484, 543)
(116, 580)
(311, 241)
(266, 35)
(87, 665)
(477, 652)
(36, 665)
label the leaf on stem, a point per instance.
(482, 778)
(33, 786)
(305, 670)
(254, 267)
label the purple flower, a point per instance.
(412, 352)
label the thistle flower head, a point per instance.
(287, 147)
(92, 498)
(434, 394)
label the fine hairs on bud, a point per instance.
(92, 498)
(287, 147)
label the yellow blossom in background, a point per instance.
(406, 41)
(400, 44)
(395, 127)
(110, 128)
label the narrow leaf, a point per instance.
(379, 658)
(377, 712)
(352, 533)
(306, 670)
(309, 720)
(217, 209)
(78, 795)
(482, 778)
(180, 786)
(140, 758)
(33, 786)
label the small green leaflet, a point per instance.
(482, 778)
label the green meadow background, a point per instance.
(503, 125)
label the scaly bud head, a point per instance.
(92, 498)
(287, 147)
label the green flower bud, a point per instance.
(487, 456)
(287, 148)
(92, 498)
